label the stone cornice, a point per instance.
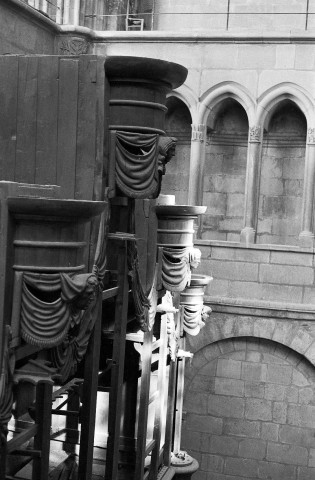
(260, 308)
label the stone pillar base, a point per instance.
(306, 239)
(248, 235)
(185, 466)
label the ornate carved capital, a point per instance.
(198, 132)
(311, 136)
(73, 46)
(255, 134)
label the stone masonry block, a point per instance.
(191, 440)
(276, 471)
(287, 454)
(209, 369)
(301, 341)
(254, 389)
(280, 293)
(204, 423)
(252, 448)
(279, 374)
(244, 468)
(279, 412)
(252, 356)
(306, 396)
(292, 394)
(196, 402)
(228, 386)
(292, 258)
(274, 392)
(297, 436)
(238, 289)
(241, 428)
(306, 473)
(264, 328)
(229, 368)
(254, 372)
(310, 353)
(229, 407)
(286, 275)
(202, 384)
(224, 445)
(301, 415)
(235, 270)
(212, 463)
(269, 431)
(258, 409)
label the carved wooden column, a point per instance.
(197, 159)
(307, 235)
(252, 184)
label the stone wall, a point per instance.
(249, 411)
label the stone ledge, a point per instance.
(260, 308)
(253, 246)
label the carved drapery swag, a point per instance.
(176, 267)
(6, 393)
(46, 324)
(194, 318)
(99, 267)
(136, 164)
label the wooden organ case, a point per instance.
(84, 315)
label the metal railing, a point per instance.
(96, 14)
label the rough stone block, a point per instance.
(292, 394)
(252, 448)
(241, 428)
(292, 258)
(264, 327)
(274, 392)
(276, 471)
(254, 389)
(258, 409)
(209, 369)
(212, 463)
(297, 436)
(220, 406)
(223, 445)
(202, 384)
(301, 415)
(280, 293)
(286, 275)
(204, 423)
(305, 473)
(301, 341)
(229, 368)
(280, 374)
(306, 396)
(269, 431)
(244, 468)
(235, 205)
(279, 412)
(229, 386)
(235, 270)
(254, 372)
(238, 289)
(191, 440)
(287, 454)
(252, 356)
(196, 402)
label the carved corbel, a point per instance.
(255, 134)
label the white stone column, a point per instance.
(197, 160)
(252, 184)
(307, 235)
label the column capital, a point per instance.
(198, 132)
(255, 134)
(310, 140)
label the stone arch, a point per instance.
(269, 101)
(188, 97)
(215, 95)
(288, 333)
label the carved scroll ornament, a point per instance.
(73, 46)
(255, 134)
(176, 267)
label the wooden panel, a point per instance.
(26, 120)
(67, 125)
(47, 104)
(8, 106)
(100, 132)
(84, 175)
